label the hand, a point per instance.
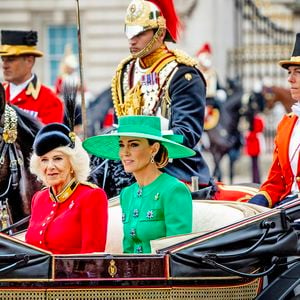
(259, 199)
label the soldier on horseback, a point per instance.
(155, 80)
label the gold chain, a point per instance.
(10, 131)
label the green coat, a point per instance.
(162, 208)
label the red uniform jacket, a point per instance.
(38, 100)
(253, 147)
(77, 225)
(280, 179)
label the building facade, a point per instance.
(103, 42)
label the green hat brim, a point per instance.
(107, 146)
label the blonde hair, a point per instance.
(79, 160)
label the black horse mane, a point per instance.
(27, 124)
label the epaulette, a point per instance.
(33, 89)
(5, 85)
(184, 58)
(123, 62)
(92, 185)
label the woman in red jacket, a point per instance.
(284, 175)
(69, 215)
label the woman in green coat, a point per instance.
(157, 205)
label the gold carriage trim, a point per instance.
(248, 290)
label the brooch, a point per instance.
(150, 214)
(135, 213)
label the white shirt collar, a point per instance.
(14, 89)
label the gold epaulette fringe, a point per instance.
(183, 58)
(92, 185)
(116, 86)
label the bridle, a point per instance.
(8, 149)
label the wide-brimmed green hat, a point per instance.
(148, 127)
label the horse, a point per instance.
(17, 185)
(98, 110)
(224, 136)
(274, 94)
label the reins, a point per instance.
(8, 149)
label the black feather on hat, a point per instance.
(52, 136)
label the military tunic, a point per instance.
(39, 101)
(173, 88)
(162, 208)
(281, 177)
(75, 221)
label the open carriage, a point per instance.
(231, 250)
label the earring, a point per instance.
(152, 159)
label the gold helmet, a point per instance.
(153, 14)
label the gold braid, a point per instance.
(149, 46)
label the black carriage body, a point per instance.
(183, 270)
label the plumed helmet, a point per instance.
(204, 55)
(143, 15)
(205, 48)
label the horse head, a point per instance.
(225, 137)
(273, 94)
(17, 184)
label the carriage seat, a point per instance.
(208, 215)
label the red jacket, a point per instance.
(280, 178)
(77, 225)
(38, 100)
(252, 145)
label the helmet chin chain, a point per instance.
(149, 46)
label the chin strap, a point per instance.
(149, 46)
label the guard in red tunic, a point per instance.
(23, 89)
(283, 182)
(253, 145)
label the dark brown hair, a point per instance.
(161, 157)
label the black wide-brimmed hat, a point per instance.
(52, 136)
(19, 42)
(295, 59)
